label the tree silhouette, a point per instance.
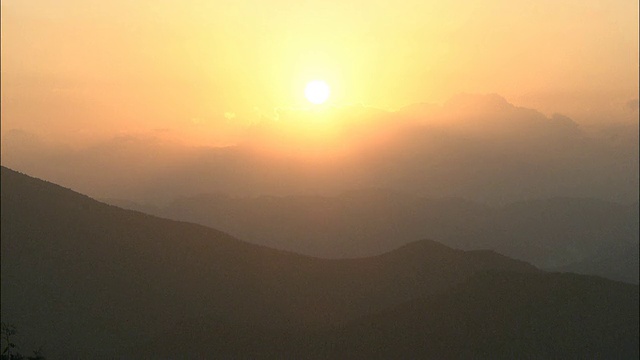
(9, 348)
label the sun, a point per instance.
(317, 91)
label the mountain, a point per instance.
(499, 315)
(619, 262)
(571, 234)
(90, 280)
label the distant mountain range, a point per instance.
(477, 147)
(89, 280)
(586, 236)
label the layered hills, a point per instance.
(89, 280)
(588, 236)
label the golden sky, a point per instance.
(207, 70)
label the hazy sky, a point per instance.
(206, 71)
(478, 147)
(489, 100)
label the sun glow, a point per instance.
(317, 92)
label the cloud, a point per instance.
(479, 147)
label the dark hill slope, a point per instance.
(88, 280)
(497, 315)
(493, 315)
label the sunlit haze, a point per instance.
(73, 69)
(350, 84)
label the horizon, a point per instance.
(493, 102)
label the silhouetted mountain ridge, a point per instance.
(95, 280)
(556, 233)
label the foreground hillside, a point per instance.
(506, 316)
(493, 315)
(89, 280)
